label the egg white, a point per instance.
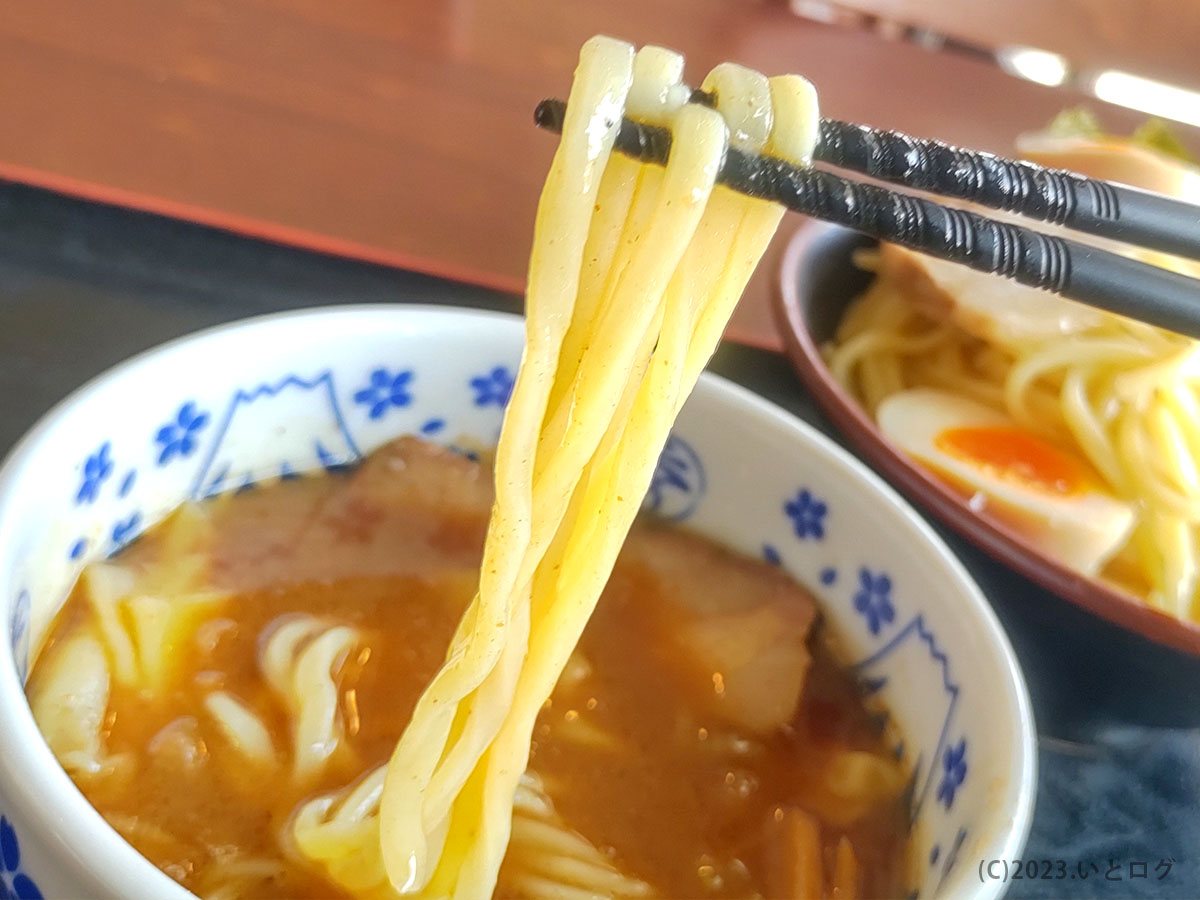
(1083, 529)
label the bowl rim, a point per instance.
(31, 774)
(994, 537)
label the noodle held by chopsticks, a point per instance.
(634, 274)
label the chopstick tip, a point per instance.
(549, 114)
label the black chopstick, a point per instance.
(1092, 276)
(1082, 204)
(1088, 205)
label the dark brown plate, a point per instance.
(817, 281)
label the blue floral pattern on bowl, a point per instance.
(954, 772)
(178, 438)
(679, 482)
(384, 391)
(873, 600)
(493, 388)
(20, 633)
(96, 470)
(124, 530)
(807, 514)
(13, 882)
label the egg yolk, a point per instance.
(1014, 454)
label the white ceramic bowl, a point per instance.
(294, 392)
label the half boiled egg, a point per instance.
(1048, 493)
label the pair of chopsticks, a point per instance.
(1078, 271)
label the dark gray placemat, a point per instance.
(83, 286)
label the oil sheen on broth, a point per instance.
(701, 742)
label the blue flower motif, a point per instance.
(494, 388)
(874, 599)
(384, 391)
(13, 882)
(178, 438)
(671, 473)
(20, 630)
(127, 483)
(678, 483)
(125, 529)
(954, 772)
(807, 514)
(20, 617)
(96, 469)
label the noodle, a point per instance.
(243, 729)
(71, 701)
(298, 662)
(144, 617)
(556, 862)
(634, 274)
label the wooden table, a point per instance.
(399, 130)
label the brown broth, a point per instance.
(676, 792)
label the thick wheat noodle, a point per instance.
(1165, 430)
(859, 347)
(552, 861)
(1143, 380)
(596, 538)
(298, 662)
(552, 641)
(1058, 356)
(597, 97)
(875, 383)
(107, 585)
(672, 211)
(634, 274)
(241, 726)
(928, 372)
(235, 876)
(626, 196)
(1182, 401)
(1089, 431)
(1143, 467)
